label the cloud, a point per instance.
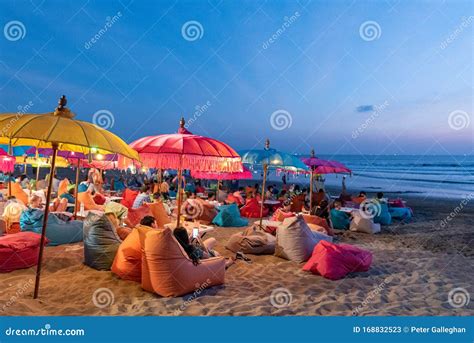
(364, 108)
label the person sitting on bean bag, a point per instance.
(340, 219)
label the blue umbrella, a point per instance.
(271, 158)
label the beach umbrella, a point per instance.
(58, 130)
(270, 158)
(320, 166)
(7, 162)
(184, 150)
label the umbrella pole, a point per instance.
(180, 175)
(311, 191)
(265, 166)
(10, 152)
(45, 222)
(78, 168)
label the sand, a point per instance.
(415, 267)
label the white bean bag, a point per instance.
(361, 224)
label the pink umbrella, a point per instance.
(245, 174)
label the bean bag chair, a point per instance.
(88, 201)
(159, 212)
(297, 203)
(295, 241)
(340, 220)
(63, 185)
(128, 197)
(199, 210)
(19, 193)
(229, 215)
(252, 209)
(336, 261)
(280, 215)
(135, 215)
(58, 231)
(231, 199)
(383, 217)
(315, 220)
(19, 251)
(402, 213)
(123, 232)
(99, 199)
(252, 241)
(396, 203)
(11, 216)
(101, 242)
(127, 264)
(361, 224)
(168, 271)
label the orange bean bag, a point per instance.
(252, 209)
(63, 187)
(128, 198)
(135, 215)
(19, 193)
(168, 271)
(158, 211)
(315, 220)
(88, 201)
(297, 203)
(127, 264)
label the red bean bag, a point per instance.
(99, 199)
(19, 250)
(334, 261)
(135, 215)
(252, 209)
(128, 198)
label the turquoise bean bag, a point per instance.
(384, 217)
(340, 220)
(402, 213)
(229, 215)
(57, 231)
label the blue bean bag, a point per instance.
(340, 220)
(101, 242)
(229, 215)
(402, 213)
(57, 231)
(384, 217)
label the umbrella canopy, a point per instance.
(320, 166)
(61, 162)
(15, 150)
(244, 174)
(58, 130)
(7, 162)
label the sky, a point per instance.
(342, 77)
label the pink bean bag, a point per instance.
(334, 261)
(19, 250)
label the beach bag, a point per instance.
(19, 251)
(252, 241)
(336, 261)
(252, 209)
(340, 220)
(384, 217)
(295, 241)
(229, 215)
(128, 197)
(101, 242)
(168, 271)
(361, 224)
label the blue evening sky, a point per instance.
(403, 86)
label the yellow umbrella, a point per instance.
(58, 131)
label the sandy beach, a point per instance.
(415, 266)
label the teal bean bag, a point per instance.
(229, 215)
(384, 217)
(340, 220)
(402, 213)
(101, 242)
(57, 231)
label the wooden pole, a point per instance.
(10, 152)
(76, 188)
(45, 222)
(311, 191)
(265, 167)
(178, 198)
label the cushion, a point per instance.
(19, 251)
(159, 213)
(19, 193)
(340, 220)
(229, 215)
(168, 271)
(88, 201)
(135, 215)
(252, 241)
(101, 242)
(280, 215)
(384, 217)
(295, 241)
(58, 231)
(361, 224)
(336, 261)
(99, 199)
(127, 264)
(251, 209)
(128, 197)
(315, 220)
